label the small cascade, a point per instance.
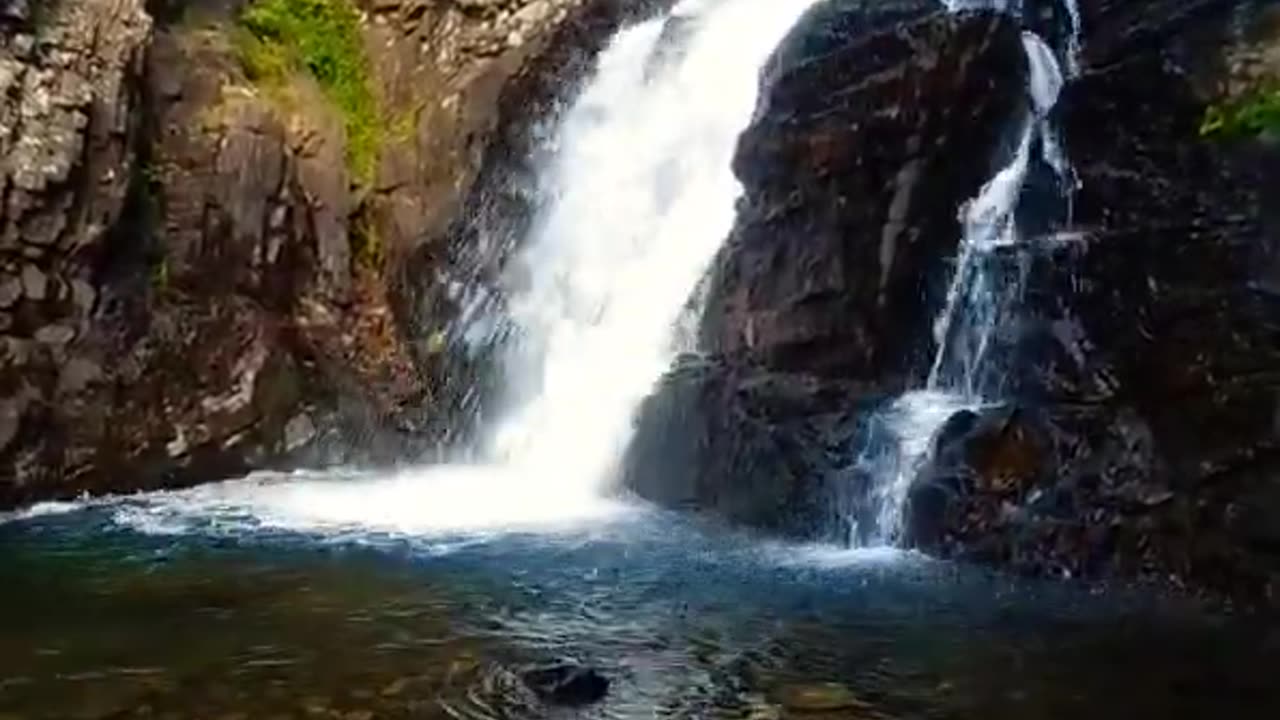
(981, 298)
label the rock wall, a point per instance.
(854, 168)
(1140, 434)
(183, 294)
(1148, 388)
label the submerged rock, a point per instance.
(820, 698)
(567, 684)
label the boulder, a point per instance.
(567, 684)
(756, 448)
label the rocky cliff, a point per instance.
(206, 261)
(1138, 431)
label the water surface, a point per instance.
(110, 613)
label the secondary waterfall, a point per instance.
(982, 294)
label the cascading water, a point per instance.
(982, 294)
(644, 195)
(636, 200)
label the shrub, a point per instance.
(1255, 113)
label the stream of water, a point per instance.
(983, 294)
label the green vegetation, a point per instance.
(321, 37)
(1255, 113)
(366, 243)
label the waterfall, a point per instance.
(637, 197)
(981, 298)
(641, 196)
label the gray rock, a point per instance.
(78, 374)
(55, 335)
(35, 284)
(15, 10)
(298, 432)
(84, 296)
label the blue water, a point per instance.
(688, 620)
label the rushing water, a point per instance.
(640, 196)
(981, 298)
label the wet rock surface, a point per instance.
(1148, 347)
(854, 169)
(760, 449)
(1138, 433)
(852, 176)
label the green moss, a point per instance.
(1253, 114)
(278, 38)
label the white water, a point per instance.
(644, 196)
(638, 198)
(977, 299)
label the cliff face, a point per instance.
(194, 277)
(1139, 431)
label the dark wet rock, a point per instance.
(1140, 434)
(1149, 353)
(567, 684)
(757, 448)
(854, 168)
